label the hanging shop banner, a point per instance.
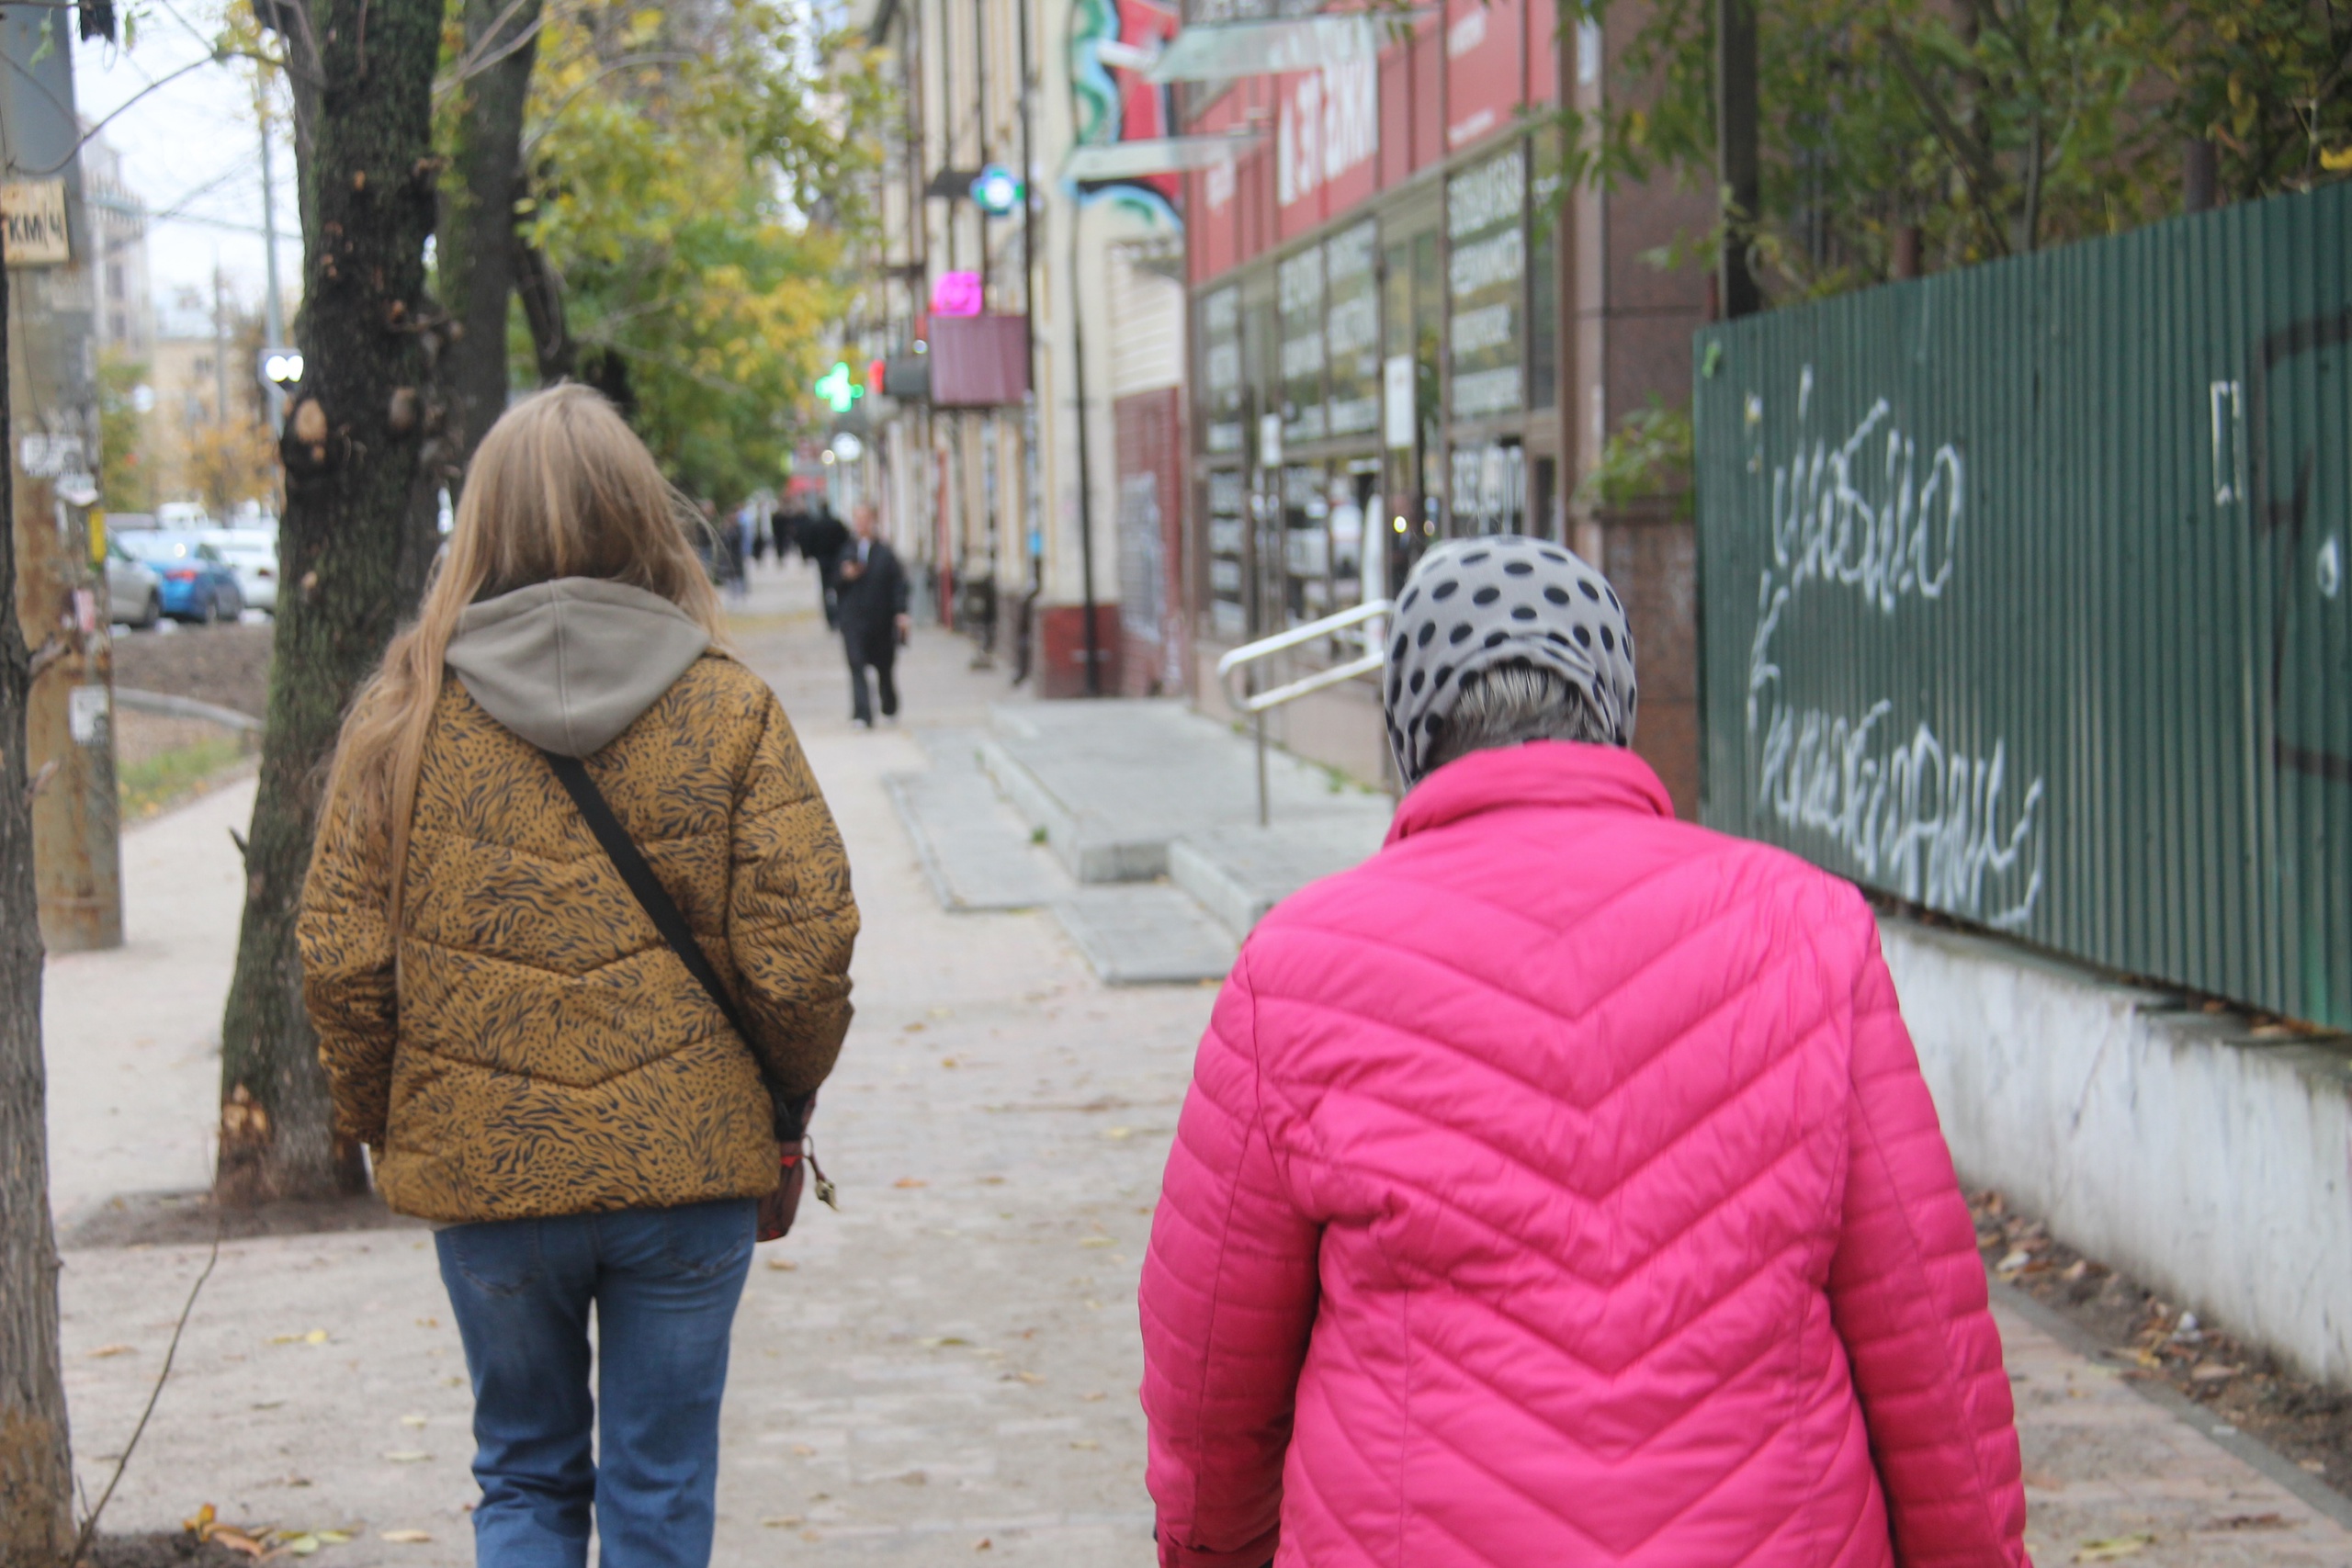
(1486, 223)
(1351, 330)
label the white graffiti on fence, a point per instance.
(1834, 519)
(1934, 824)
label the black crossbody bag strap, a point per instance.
(792, 1117)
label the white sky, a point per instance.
(191, 148)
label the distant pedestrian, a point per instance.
(737, 534)
(1559, 1186)
(823, 539)
(502, 1021)
(872, 615)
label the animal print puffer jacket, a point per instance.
(538, 1050)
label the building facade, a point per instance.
(1263, 378)
(1406, 326)
(998, 471)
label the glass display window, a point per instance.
(1352, 331)
(1228, 555)
(1224, 394)
(1299, 299)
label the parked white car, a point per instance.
(251, 554)
(134, 593)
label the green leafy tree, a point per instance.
(1970, 130)
(125, 483)
(2266, 82)
(693, 183)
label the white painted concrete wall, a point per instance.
(2212, 1164)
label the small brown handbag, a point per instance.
(797, 1149)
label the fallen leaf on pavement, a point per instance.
(197, 1522)
(1118, 1131)
(333, 1537)
(2013, 1262)
(803, 1449)
(315, 1337)
(786, 1264)
(1095, 1241)
(412, 1420)
(2214, 1374)
(235, 1540)
(1029, 1377)
(1091, 1398)
(784, 1521)
(911, 1181)
(2113, 1547)
(103, 1351)
(301, 1545)
(944, 1340)
(408, 1456)
(982, 1544)
(405, 1537)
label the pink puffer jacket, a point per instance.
(1559, 1186)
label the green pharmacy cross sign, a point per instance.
(837, 388)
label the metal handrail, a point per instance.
(1255, 705)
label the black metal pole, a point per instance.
(1736, 153)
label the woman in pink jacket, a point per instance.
(1559, 1186)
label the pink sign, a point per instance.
(956, 294)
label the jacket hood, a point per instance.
(571, 664)
(1541, 772)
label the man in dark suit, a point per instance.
(823, 539)
(872, 599)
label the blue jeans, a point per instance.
(664, 1284)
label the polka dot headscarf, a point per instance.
(1474, 604)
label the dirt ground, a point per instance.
(2149, 1337)
(227, 665)
(159, 1550)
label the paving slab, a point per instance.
(1238, 874)
(1114, 783)
(1146, 933)
(977, 853)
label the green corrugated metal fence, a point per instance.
(2025, 594)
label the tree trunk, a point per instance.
(476, 233)
(542, 292)
(36, 1471)
(363, 463)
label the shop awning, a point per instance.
(1219, 51)
(1157, 155)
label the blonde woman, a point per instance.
(533, 1068)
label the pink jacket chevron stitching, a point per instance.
(1560, 1187)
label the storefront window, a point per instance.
(1221, 385)
(1229, 568)
(1485, 213)
(1351, 331)
(1307, 544)
(1299, 291)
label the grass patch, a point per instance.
(147, 786)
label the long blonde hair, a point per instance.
(559, 487)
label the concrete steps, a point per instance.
(1156, 867)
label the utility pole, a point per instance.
(53, 449)
(1736, 180)
(273, 305)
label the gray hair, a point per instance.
(1510, 704)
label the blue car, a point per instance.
(198, 583)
